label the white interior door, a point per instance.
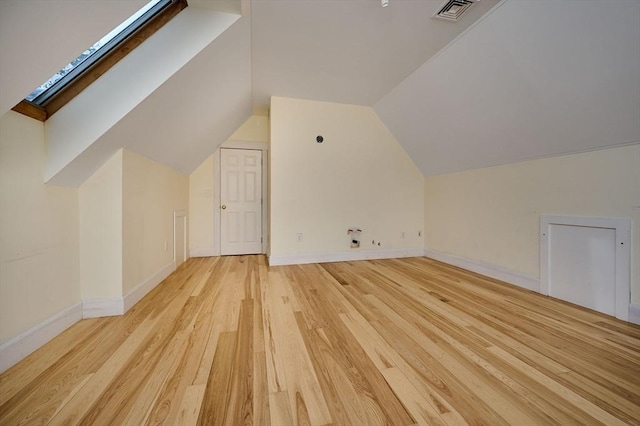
(240, 201)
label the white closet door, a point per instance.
(241, 201)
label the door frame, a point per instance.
(217, 179)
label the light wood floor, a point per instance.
(409, 341)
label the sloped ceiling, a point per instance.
(345, 51)
(181, 90)
(38, 38)
(512, 80)
(532, 79)
(187, 117)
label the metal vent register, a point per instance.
(451, 10)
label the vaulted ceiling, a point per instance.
(532, 79)
(511, 80)
(345, 51)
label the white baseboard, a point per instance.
(18, 348)
(634, 313)
(135, 295)
(94, 308)
(203, 252)
(119, 305)
(343, 256)
(487, 269)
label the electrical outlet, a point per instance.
(299, 237)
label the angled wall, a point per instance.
(126, 231)
(359, 176)
(490, 217)
(151, 193)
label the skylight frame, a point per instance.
(126, 40)
(107, 43)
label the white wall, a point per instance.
(359, 176)
(255, 129)
(39, 254)
(203, 189)
(151, 193)
(102, 244)
(101, 232)
(126, 227)
(201, 206)
(491, 215)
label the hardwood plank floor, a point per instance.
(405, 341)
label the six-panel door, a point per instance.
(241, 201)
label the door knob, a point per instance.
(223, 207)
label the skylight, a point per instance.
(76, 76)
(95, 52)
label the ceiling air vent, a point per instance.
(451, 10)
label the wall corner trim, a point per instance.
(487, 269)
(21, 346)
(634, 313)
(94, 308)
(342, 256)
(119, 305)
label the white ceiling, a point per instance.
(39, 37)
(170, 100)
(345, 51)
(533, 79)
(195, 110)
(510, 81)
